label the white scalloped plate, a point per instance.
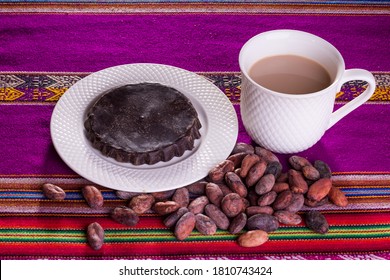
(219, 130)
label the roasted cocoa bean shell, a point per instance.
(316, 221)
(264, 222)
(124, 216)
(53, 192)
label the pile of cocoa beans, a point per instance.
(248, 194)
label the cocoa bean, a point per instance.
(126, 195)
(283, 178)
(264, 222)
(253, 238)
(282, 200)
(92, 196)
(246, 164)
(214, 193)
(237, 158)
(142, 203)
(165, 207)
(296, 204)
(319, 189)
(124, 215)
(242, 147)
(225, 189)
(172, 218)
(234, 182)
(275, 168)
(267, 198)
(265, 184)
(232, 204)
(205, 225)
(297, 182)
(219, 218)
(198, 204)
(337, 197)
(185, 225)
(182, 197)
(314, 203)
(317, 222)
(280, 186)
(95, 235)
(163, 195)
(217, 173)
(255, 173)
(288, 218)
(265, 154)
(323, 169)
(53, 192)
(238, 223)
(197, 188)
(253, 210)
(310, 172)
(252, 197)
(298, 162)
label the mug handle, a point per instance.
(353, 75)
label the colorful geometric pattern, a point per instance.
(49, 87)
(34, 227)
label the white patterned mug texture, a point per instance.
(290, 123)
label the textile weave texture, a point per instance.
(47, 46)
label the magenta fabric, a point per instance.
(27, 148)
(196, 42)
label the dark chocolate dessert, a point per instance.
(142, 123)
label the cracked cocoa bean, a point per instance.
(93, 196)
(319, 189)
(264, 222)
(246, 164)
(142, 203)
(337, 197)
(172, 218)
(219, 218)
(53, 192)
(182, 197)
(282, 200)
(265, 184)
(297, 182)
(323, 169)
(198, 204)
(185, 225)
(95, 235)
(243, 147)
(298, 162)
(165, 207)
(310, 172)
(287, 218)
(267, 198)
(234, 182)
(217, 173)
(205, 225)
(238, 223)
(232, 204)
(317, 222)
(253, 238)
(255, 173)
(124, 216)
(214, 194)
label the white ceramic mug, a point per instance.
(290, 123)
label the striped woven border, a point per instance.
(221, 7)
(35, 227)
(49, 87)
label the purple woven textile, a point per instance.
(27, 148)
(196, 42)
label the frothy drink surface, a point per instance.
(290, 74)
